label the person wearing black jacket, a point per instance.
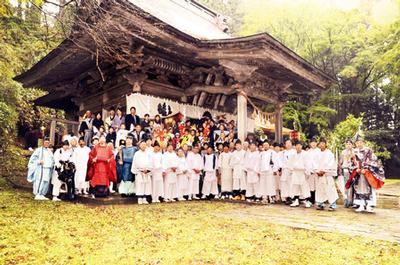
(131, 120)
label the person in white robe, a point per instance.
(325, 184)
(210, 185)
(298, 167)
(141, 167)
(195, 166)
(122, 133)
(252, 168)
(224, 166)
(81, 158)
(182, 175)
(286, 176)
(157, 174)
(268, 165)
(170, 166)
(277, 160)
(61, 155)
(312, 158)
(40, 169)
(345, 167)
(238, 173)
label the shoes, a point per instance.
(144, 201)
(189, 199)
(56, 199)
(242, 197)
(222, 197)
(307, 204)
(140, 201)
(320, 207)
(331, 209)
(369, 209)
(295, 203)
(196, 198)
(360, 209)
(181, 199)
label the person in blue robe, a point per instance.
(40, 169)
(125, 158)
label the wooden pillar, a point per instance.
(279, 122)
(53, 132)
(241, 116)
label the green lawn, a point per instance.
(34, 232)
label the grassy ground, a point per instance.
(34, 232)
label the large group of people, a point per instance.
(159, 161)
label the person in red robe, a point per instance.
(101, 168)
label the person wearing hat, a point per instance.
(326, 170)
(298, 167)
(344, 171)
(126, 152)
(312, 158)
(224, 166)
(368, 176)
(286, 177)
(61, 156)
(156, 173)
(141, 167)
(40, 169)
(238, 173)
(81, 158)
(252, 168)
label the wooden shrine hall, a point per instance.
(176, 50)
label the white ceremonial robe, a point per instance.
(81, 158)
(182, 174)
(210, 185)
(312, 158)
(238, 173)
(59, 155)
(286, 177)
(325, 185)
(142, 162)
(252, 168)
(298, 167)
(277, 165)
(156, 176)
(224, 163)
(195, 163)
(268, 165)
(170, 160)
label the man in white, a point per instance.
(81, 158)
(183, 182)
(141, 167)
(238, 174)
(277, 169)
(252, 168)
(312, 158)
(210, 187)
(61, 155)
(286, 177)
(195, 166)
(298, 167)
(224, 163)
(268, 165)
(170, 166)
(157, 173)
(325, 184)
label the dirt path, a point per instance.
(384, 224)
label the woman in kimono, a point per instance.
(125, 157)
(102, 168)
(40, 169)
(367, 176)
